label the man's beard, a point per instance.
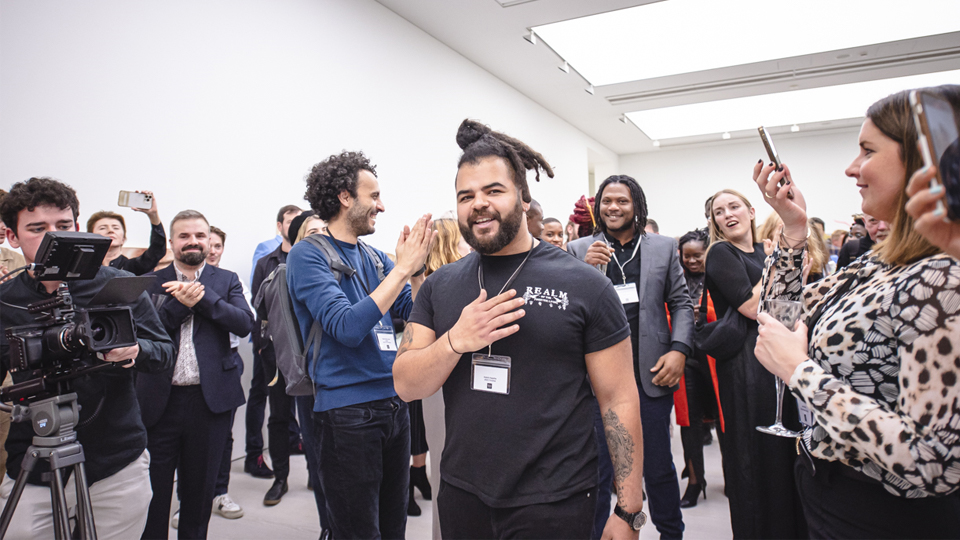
(358, 218)
(627, 225)
(192, 258)
(506, 231)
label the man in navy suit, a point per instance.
(187, 409)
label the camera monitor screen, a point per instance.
(70, 255)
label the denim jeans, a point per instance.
(364, 457)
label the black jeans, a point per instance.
(278, 427)
(305, 414)
(256, 405)
(463, 515)
(364, 457)
(839, 505)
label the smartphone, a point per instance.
(133, 199)
(771, 150)
(937, 133)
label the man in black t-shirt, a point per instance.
(520, 458)
(876, 231)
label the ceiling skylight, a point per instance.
(683, 36)
(782, 109)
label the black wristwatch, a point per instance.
(635, 521)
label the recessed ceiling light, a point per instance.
(782, 109)
(682, 36)
(726, 135)
(794, 128)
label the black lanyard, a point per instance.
(346, 263)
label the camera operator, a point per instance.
(109, 428)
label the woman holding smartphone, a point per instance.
(879, 367)
(757, 468)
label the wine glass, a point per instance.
(787, 312)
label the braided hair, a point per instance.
(697, 235)
(479, 141)
(639, 202)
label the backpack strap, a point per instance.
(381, 275)
(333, 258)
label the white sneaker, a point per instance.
(175, 521)
(224, 505)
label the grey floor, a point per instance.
(295, 517)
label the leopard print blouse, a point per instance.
(882, 374)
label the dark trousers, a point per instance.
(223, 475)
(604, 475)
(463, 515)
(256, 405)
(701, 400)
(305, 413)
(659, 474)
(282, 408)
(191, 437)
(837, 505)
(364, 457)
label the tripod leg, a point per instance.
(61, 518)
(88, 529)
(12, 502)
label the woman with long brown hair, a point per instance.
(878, 367)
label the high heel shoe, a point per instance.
(692, 494)
(418, 478)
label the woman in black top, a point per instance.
(698, 381)
(112, 225)
(757, 468)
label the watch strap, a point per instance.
(635, 520)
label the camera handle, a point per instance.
(54, 420)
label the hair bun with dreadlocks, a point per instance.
(469, 132)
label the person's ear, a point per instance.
(346, 200)
(12, 238)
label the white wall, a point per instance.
(224, 105)
(677, 181)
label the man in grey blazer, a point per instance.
(645, 269)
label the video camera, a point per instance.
(63, 331)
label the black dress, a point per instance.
(757, 468)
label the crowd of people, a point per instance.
(563, 350)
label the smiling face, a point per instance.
(616, 208)
(216, 249)
(190, 241)
(32, 225)
(879, 172)
(733, 218)
(553, 233)
(693, 255)
(489, 209)
(112, 229)
(361, 217)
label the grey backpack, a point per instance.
(280, 322)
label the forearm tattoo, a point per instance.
(406, 340)
(621, 448)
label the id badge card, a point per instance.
(628, 293)
(490, 373)
(386, 339)
(806, 415)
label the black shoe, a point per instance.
(257, 468)
(418, 479)
(412, 508)
(690, 497)
(276, 492)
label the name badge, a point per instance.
(386, 338)
(490, 373)
(628, 293)
(806, 415)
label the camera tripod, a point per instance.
(54, 420)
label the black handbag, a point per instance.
(723, 338)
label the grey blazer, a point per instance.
(661, 285)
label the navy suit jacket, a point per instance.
(222, 310)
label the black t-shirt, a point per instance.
(852, 251)
(535, 445)
(732, 274)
